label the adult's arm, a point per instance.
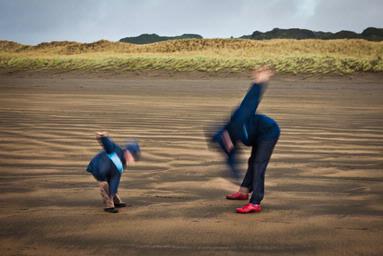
(247, 107)
(250, 102)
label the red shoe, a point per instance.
(249, 208)
(237, 196)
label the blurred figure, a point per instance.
(107, 167)
(254, 130)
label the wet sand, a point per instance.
(323, 186)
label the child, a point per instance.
(107, 167)
(255, 130)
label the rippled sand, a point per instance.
(323, 187)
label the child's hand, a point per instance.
(101, 134)
(262, 75)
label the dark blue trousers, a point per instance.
(255, 176)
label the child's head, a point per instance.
(132, 152)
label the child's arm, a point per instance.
(108, 145)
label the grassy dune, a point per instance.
(206, 55)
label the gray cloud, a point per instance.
(34, 21)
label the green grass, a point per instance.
(205, 55)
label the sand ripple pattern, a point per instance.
(326, 174)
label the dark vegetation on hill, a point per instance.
(371, 33)
(153, 38)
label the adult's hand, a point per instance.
(262, 75)
(227, 141)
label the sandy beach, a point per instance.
(324, 184)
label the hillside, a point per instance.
(204, 55)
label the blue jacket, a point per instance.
(103, 168)
(246, 125)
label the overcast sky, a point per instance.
(35, 21)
